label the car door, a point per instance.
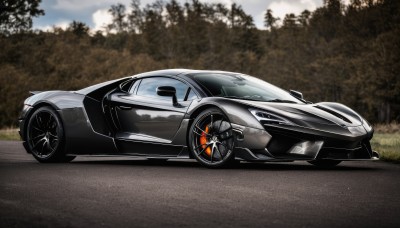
(148, 120)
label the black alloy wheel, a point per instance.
(211, 139)
(45, 136)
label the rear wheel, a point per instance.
(325, 163)
(211, 139)
(45, 136)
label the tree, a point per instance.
(135, 18)
(78, 28)
(154, 29)
(119, 22)
(175, 13)
(304, 18)
(269, 20)
(290, 21)
(16, 15)
(328, 20)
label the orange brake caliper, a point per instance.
(203, 140)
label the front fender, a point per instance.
(236, 112)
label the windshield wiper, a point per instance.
(282, 101)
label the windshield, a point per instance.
(242, 87)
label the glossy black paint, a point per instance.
(110, 119)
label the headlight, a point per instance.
(366, 125)
(268, 118)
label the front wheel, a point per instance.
(325, 163)
(45, 136)
(211, 139)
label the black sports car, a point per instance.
(215, 117)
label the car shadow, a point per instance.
(273, 166)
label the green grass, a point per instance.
(9, 134)
(388, 146)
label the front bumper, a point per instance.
(286, 145)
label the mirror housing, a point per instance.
(168, 91)
(296, 94)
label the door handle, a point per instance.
(124, 107)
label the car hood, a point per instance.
(325, 113)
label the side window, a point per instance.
(135, 84)
(191, 96)
(126, 85)
(148, 87)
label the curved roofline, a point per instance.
(168, 72)
(180, 72)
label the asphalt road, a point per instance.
(130, 192)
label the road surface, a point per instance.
(132, 192)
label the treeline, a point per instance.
(341, 53)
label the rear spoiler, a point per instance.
(34, 92)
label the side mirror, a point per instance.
(168, 91)
(296, 94)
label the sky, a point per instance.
(94, 13)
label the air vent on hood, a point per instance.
(333, 113)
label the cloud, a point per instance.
(282, 7)
(225, 2)
(80, 5)
(94, 12)
(100, 19)
(61, 24)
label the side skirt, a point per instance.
(150, 149)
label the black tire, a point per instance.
(211, 139)
(325, 163)
(45, 136)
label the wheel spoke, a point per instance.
(54, 136)
(37, 143)
(203, 131)
(44, 144)
(38, 120)
(49, 122)
(220, 154)
(212, 152)
(38, 136)
(212, 119)
(37, 129)
(226, 147)
(53, 141)
(203, 150)
(206, 144)
(197, 133)
(50, 147)
(220, 124)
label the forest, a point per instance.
(347, 53)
